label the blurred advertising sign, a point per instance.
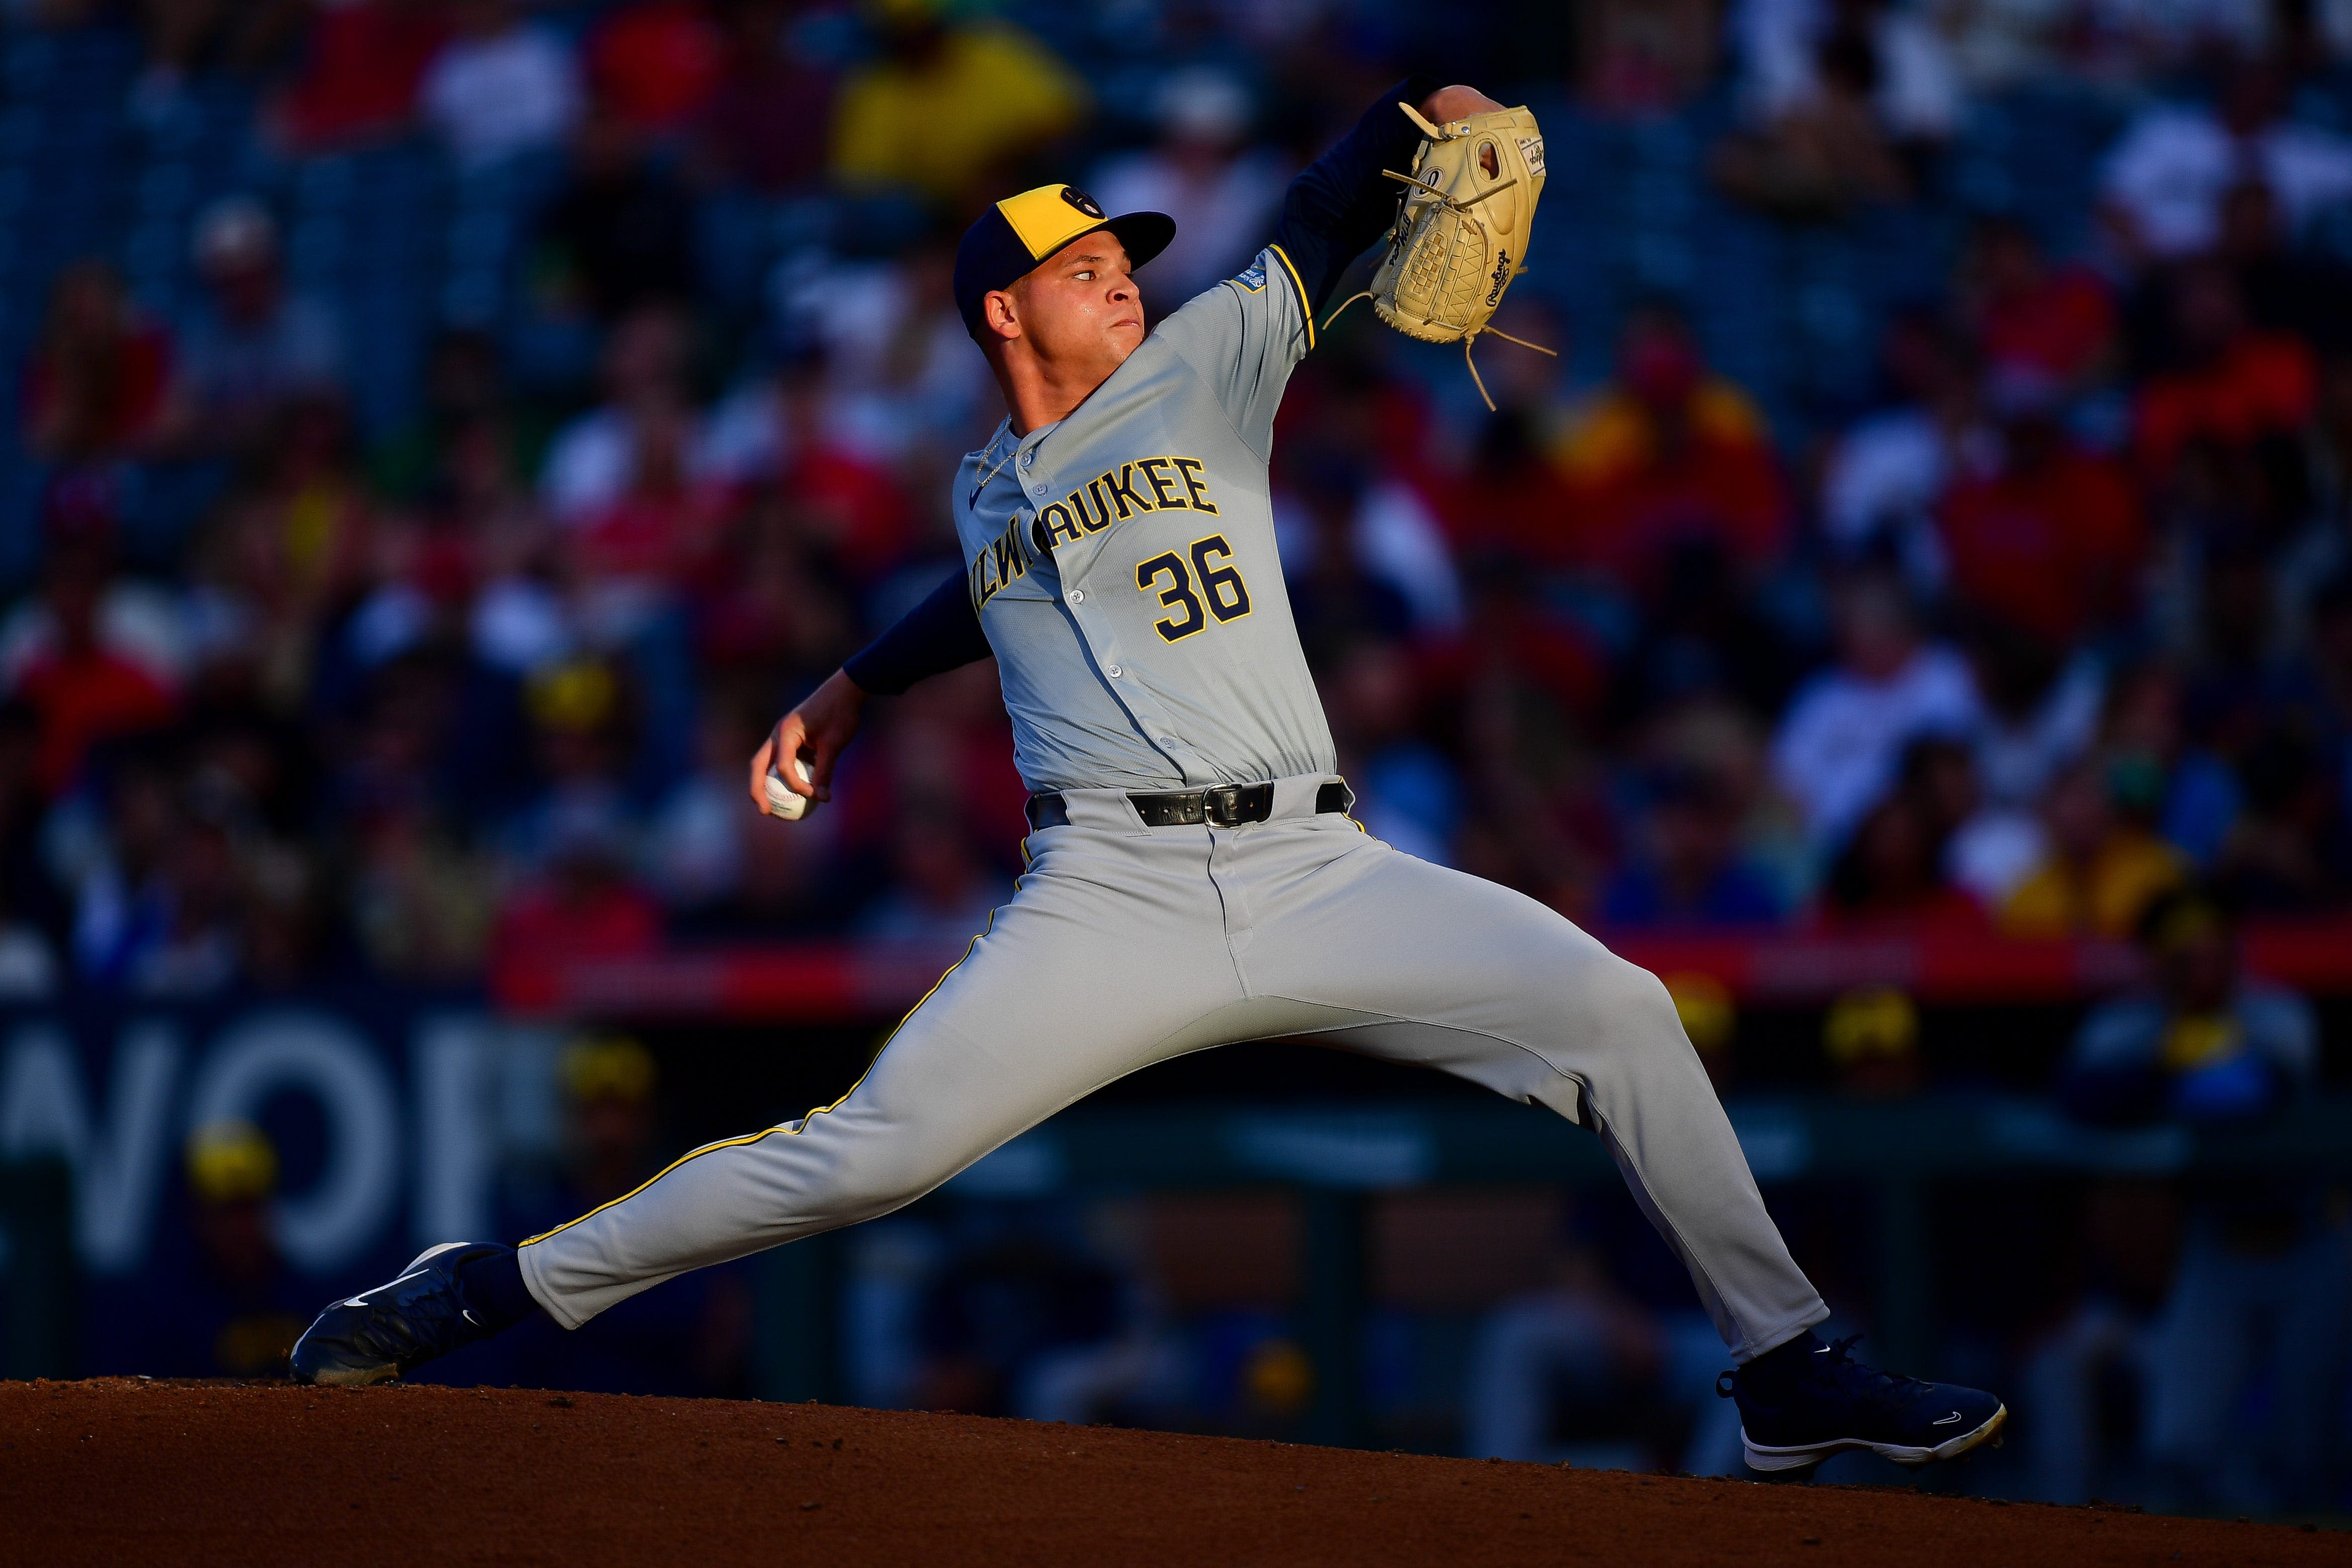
(378, 1119)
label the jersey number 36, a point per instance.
(1228, 595)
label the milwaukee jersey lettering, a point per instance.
(1122, 562)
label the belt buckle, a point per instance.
(1221, 805)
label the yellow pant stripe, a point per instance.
(657, 1175)
(790, 1128)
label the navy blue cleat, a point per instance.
(1804, 1401)
(379, 1335)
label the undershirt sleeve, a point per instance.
(941, 634)
(1341, 203)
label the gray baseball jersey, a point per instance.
(1124, 568)
(1122, 561)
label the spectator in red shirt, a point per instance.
(860, 517)
(365, 61)
(1669, 453)
(2235, 384)
(2050, 538)
(99, 381)
(583, 910)
(1509, 638)
(947, 740)
(81, 690)
(1512, 497)
(656, 64)
(655, 539)
(1514, 501)
(2058, 320)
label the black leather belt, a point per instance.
(1225, 806)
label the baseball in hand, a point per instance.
(781, 800)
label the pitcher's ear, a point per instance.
(997, 315)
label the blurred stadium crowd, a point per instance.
(440, 435)
(446, 433)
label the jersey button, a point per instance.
(1167, 739)
(1112, 670)
(1077, 595)
(1029, 456)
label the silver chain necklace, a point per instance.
(973, 500)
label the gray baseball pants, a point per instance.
(1125, 945)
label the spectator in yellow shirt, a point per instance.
(2104, 866)
(949, 106)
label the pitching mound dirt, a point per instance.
(115, 1471)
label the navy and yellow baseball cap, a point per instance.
(1017, 232)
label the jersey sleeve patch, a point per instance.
(1255, 279)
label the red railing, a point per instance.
(843, 983)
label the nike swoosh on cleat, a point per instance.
(1945, 1420)
(412, 1274)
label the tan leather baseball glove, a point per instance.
(1461, 232)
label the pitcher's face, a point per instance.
(1078, 307)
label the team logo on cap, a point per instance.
(1083, 202)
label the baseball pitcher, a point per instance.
(1195, 878)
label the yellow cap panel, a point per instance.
(1049, 217)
